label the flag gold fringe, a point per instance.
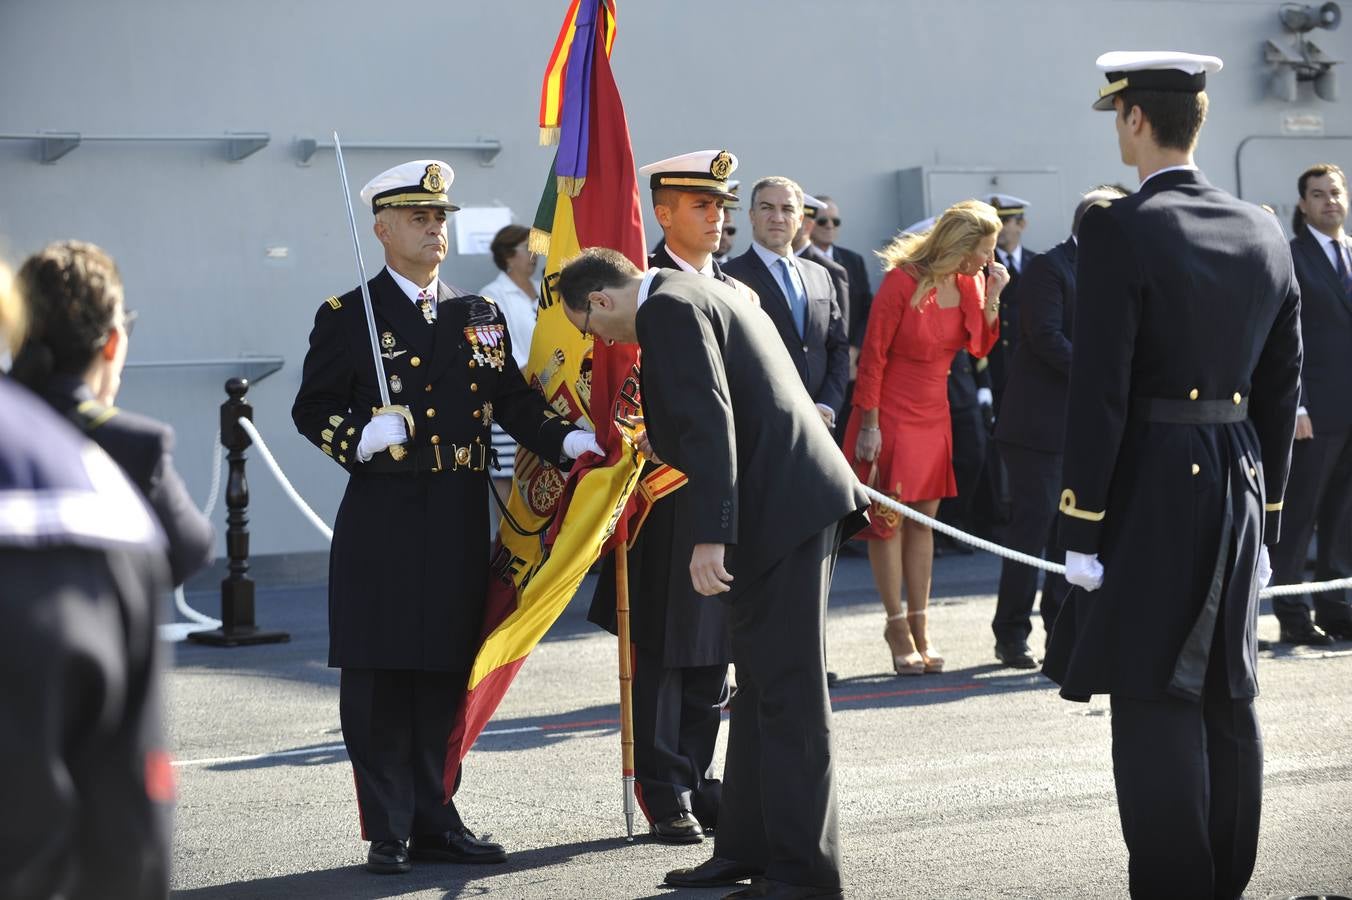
(539, 242)
(549, 137)
(569, 186)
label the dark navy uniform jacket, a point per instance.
(1181, 412)
(408, 567)
(87, 785)
(143, 448)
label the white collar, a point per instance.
(647, 285)
(1182, 168)
(410, 289)
(707, 271)
(768, 256)
(1324, 239)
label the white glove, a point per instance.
(828, 415)
(1264, 571)
(381, 433)
(984, 397)
(576, 443)
(1084, 570)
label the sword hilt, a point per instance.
(397, 451)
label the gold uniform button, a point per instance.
(428, 389)
(1236, 398)
(431, 413)
(1192, 394)
(1253, 473)
(1196, 469)
(436, 439)
(415, 362)
(478, 413)
(473, 364)
(473, 387)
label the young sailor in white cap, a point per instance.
(1183, 392)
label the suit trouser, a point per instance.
(969, 453)
(1034, 482)
(1189, 781)
(396, 724)
(1318, 497)
(676, 718)
(779, 793)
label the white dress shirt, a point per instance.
(771, 260)
(411, 290)
(519, 309)
(1333, 247)
(1183, 168)
(647, 285)
(707, 271)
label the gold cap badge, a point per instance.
(432, 181)
(721, 167)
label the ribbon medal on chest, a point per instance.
(488, 344)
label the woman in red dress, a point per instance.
(934, 300)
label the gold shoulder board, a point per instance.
(334, 303)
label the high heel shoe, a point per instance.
(905, 660)
(934, 662)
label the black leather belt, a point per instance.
(1190, 412)
(434, 458)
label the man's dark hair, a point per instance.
(508, 238)
(665, 196)
(72, 290)
(594, 269)
(1316, 171)
(1175, 118)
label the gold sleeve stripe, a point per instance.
(334, 303)
(1273, 507)
(335, 421)
(1069, 508)
(326, 435)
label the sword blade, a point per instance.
(361, 275)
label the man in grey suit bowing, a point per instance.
(771, 498)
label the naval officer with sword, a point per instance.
(402, 379)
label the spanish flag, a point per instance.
(559, 524)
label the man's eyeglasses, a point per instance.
(832, 221)
(586, 322)
(729, 230)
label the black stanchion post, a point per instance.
(237, 588)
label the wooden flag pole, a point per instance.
(626, 685)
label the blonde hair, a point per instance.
(11, 313)
(935, 253)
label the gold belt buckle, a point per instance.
(461, 457)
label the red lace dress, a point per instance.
(903, 372)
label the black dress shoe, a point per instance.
(713, 872)
(765, 889)
(388, 858)
(459, 846)
(1338, 630)
(681, 828)
(1016, 656)
(1302, 633)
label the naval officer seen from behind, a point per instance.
(1180, 414)
(408, 567)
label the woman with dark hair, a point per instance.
(73, 357)
(515, 290)
(934, 301)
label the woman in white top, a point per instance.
(516, 291)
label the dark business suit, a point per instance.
(1002, 355)
(143, 448)
(1319, 497)
(767, 482)
(1181, 410)
(408, 565)
(87, 780)
(682, 652)
(1030, 431)
(966, 377)
(820, 354)
(861, 292)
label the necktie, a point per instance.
(797, 302)
(426, 304)
(1344, 275)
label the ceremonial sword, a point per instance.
(398, 451)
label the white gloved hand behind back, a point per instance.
(1264, 570)
(1084, 570)
(381, 433)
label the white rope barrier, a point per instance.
(277, 473)
(1276, 590)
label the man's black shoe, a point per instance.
(764, 889)
(681, 828)
(456, 847)
(1302, 633)
(1339, 629)
(1016, 656)
(388, 858)
(713, 872)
